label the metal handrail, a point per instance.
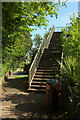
(59, 28)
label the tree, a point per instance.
(71, 40)
(70, 72)
(17, 19)
(15, 42)
(37, 41)
(27, 14)
(47, 33)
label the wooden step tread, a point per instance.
(48, 68)
(43, 79)
(36, 90)
(48, 65)
(49, 49)
(51, 59)
(39, 70)
(52, 52)
(44, 76)
(46, 73)
(38, 82)
(45, 69)
(39, 86)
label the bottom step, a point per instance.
(36, 90)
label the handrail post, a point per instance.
(61, 61)
(29, 78)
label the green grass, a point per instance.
(20, 76)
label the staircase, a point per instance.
(47, 67)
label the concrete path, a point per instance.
(18, 104)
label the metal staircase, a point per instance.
(47, 66)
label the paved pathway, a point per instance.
(16, 103)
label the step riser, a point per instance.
(41, 73)
(51, 55)
(39, 70)
(50, 64)
(39, 80)
(49, 61)
(43, 79)
(54, 64)
(52, 52)
(48, 68)
(53, 69)
(51, 46)
(56, 47)
(38, 88)
(44, 76)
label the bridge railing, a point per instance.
(34, 65)
(59, 29)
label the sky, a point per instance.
(61, 21)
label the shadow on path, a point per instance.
(20, 83)
(20, 104)
(20, 73)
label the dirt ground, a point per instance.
(19, 104)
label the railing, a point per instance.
(59, 29)
(68, 26)
(34, 65)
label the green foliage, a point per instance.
(5, 68)
(26, 67)
(21, 76)
(70, 70)
(15, 55)
(71, 39)
(17, 19)
(47, 33)
(37, 41)
(70, 78)
(16, 39)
